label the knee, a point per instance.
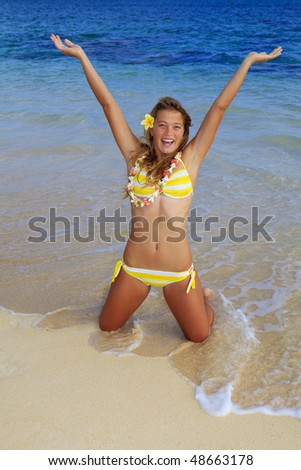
(104, 325)
(198, 337)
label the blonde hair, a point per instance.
(151, 163)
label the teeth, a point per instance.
(167, 141)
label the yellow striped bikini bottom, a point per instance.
(152, 277)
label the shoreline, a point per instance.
(60, 393)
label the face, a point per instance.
(167, 132)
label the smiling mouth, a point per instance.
(167, 142)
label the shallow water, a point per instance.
(57, 152)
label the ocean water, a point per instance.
(57, 152)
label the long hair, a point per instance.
(154, 166)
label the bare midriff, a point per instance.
(158, 235)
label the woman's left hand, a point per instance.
(263, 56)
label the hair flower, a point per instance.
(148, 122)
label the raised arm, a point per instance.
(200, 144)
(124, 137)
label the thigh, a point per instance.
(188, 309)
(125, 295)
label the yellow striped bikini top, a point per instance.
(176, 184)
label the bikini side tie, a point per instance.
(118, 266)
(191, 284)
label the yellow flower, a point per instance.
(148, 122)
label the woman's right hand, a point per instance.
(73, 50)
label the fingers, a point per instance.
(272, 55)
(56, 41)
(69, 43)
(55, 38)
(276, 52)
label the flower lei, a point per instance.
(145, 201)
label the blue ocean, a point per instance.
(58, 156)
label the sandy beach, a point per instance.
(59, 393)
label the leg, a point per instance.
(192, 311)
(209, 309)
(126, 294)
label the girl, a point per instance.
(162, 174)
